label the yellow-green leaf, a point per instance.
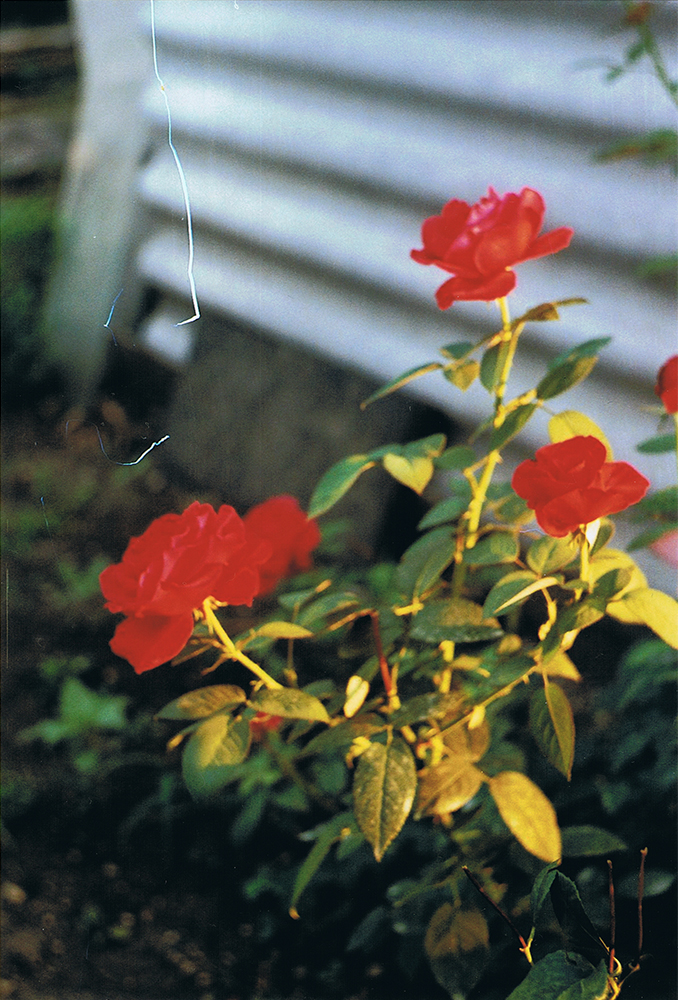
(383, 792)
(357, 690)
(495, 547)
(463, 375)
(552, 725)
(654, 608)
(203, 702)
(561, 665)
(609, 559)
(452, 931)
(282, 630)
(214, 747)
(546, 554)
(512, 589)
(448, 786)
(290, 704)
(413, 472)
(570, 423)
(527, 813)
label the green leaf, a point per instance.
(552, 725)
(550, 977)
(212, 750)
(661, 503)
(455, 620)
(649, 536)
(433, 705)
(541, 890)
(508, 591)
(412, 472)
(422, 564)
(282, 630)
(564, 377)
(495, 547)
(316, 614)
(657, 445)
(589, 349)
(462, 375)
(653, 608)
(549, 554)
(593, 987)
(329, 834)
(527, 813)
(492, 364)
(290, 704)
(581, 934)
(383, 792)
(82, 708)
(513, 424)
(588, 841)
(612, 583)
(203, 702)
(458, 457)
(340, 737)
(570, 423)
(400, 381)
(337, 481)
(444, 511)
(458, 351)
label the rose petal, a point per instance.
(148, 642)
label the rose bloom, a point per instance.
(667, 384)
(570, 483)
(291, 537)
(170, 570)
(263, 723)
(479, 244)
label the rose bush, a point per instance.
(667, 384)
(479, 244)
(292, 536)
(570, 483)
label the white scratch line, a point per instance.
(101, 443)
(110, 316)
(154, 445)
(182, 178)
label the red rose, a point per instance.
(263, 723)
(167, 573)
(667, 384)
(569, 484)
(290, 534)
(479, 244)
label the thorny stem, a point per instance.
(525, 946)
(641, 890)
(652, 50)
(613, 918)
(288, 768)
(389, 686)
(510, 336)
(232, 650)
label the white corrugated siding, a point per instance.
(316, 136)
